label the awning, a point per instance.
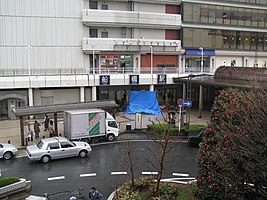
(198, 52)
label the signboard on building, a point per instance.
(104, 80)
(162, 78)
(134, 79)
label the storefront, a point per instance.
(117, 61)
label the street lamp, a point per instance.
(93, 47)
(151, 60)
(202, 59)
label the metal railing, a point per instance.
(103, 70)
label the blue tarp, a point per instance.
(143, 102)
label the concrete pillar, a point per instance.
(151, 87)
(200, 105)
(30, 97)
(55, 122)
(21, 131)
(81, 94)
(94, 93)
(180, 64)
(184, 91)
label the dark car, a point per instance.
(196, 140)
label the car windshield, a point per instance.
(40, 145)
(72, 143)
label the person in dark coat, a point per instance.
(46, 122)
(94, 194)
(36, 129)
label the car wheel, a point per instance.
(110, 137)
(45, 159)
(83, 153)
(200, 144)
(7, 155)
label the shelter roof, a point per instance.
(225, 76)
(57, 108)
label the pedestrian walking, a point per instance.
(94, 194)
(30, 133)
(46, 122)
(51, 129)
(36, 127)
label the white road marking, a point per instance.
(180, 174)
(56, 178)
(149, 173)
(29, 181)
(118, 173)
(188, 178)
(86, 175)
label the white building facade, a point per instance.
(66, 51)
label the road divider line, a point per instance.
(29, 181)
(149, 173)
(87, 175)
(180, 174)
(118, 173)
(56, 178)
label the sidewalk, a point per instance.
(10, 129)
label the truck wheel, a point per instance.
(83, 153)
(110, 137)
(7, 155)
(45, 159)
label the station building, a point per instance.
(67, 51)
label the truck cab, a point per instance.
(112, 127)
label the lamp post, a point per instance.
(202, 59)
(93, 47)
(151, 60)
(29, 61)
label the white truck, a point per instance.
(86, 124)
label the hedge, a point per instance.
(7, 181)
(173, 130)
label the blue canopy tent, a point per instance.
(143, 102)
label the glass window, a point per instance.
(40, 144)
(226, 15)
(187, 12)
(265, 42)
(196, 13)
(255, 18)
(112, 124)
(232, 40)
(260, 41)
(219, 39)
(53, 145)
(233, 16)
(187, 37)
(93, 4)
(239, 40)
(246, 41)
(219, 14)
(104, 34)
(204, 13)
(212, 14)
(93, 33)
(240, 17)
(247, 17)
(104, 7)
(262, 18)
(253, 41)
(65, 144)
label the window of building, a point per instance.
(104, 7)
(104, 34)
(93, 33)
(93, 4)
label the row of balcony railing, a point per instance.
(80, 71)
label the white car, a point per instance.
(7, 151)
(57, 147)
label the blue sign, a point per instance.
(104, 80)
(180, 102)
(134, 79)
(198, 52)
(187, 103)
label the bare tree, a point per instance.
(127, 162)
(160, 148)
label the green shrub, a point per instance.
(188, 193)
(7, 181)
(172, 130)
